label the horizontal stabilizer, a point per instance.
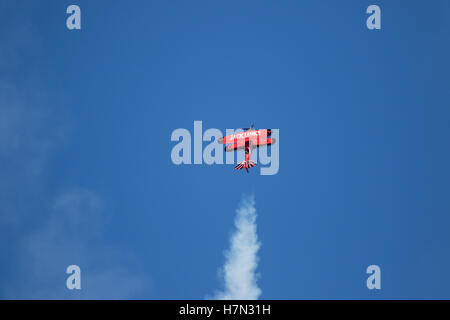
(245, 165)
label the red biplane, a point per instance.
(247, 140)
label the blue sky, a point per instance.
(86, 176)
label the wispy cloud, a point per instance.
(42, 232)
(73, 234)
(239, 271)
(32, 119)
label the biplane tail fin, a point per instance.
(245, 165)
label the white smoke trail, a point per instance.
(241, 259)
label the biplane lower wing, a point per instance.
(264, 142)
(256, 143)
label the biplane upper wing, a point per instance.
(250, 135)
(228, 139)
